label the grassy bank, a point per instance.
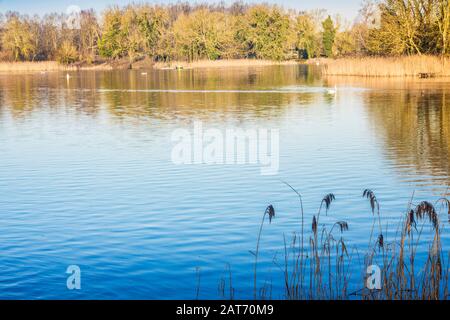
(227, 63)
(142, 64)
(47, 66)
(33, 66)
(407, 66)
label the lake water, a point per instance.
(87, 177)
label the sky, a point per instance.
(347, 8)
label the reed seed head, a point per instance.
(410, 221)
(380, 241)
(446, 203)
(328, 199)
(343, 226)
(426, 210)
(270, 211)
(369, 194)
(314, 225)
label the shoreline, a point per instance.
(48, 66)
(51, 66)
(424, 66)
(226, 63)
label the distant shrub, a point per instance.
(67, 53)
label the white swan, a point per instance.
(332, 91)
(67, 76)
(143, 73)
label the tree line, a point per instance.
(203, 31)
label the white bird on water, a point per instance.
(332, 91)
(67, 76)
(144, 73)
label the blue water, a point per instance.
(86, 176)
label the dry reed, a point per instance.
(45, 66)
(405, 66)
(226, 63)
(33, 66)
(321, 268)
(48, 66)
(270, 211)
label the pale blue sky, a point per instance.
(347, 8)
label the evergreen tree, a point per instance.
(110, 43)
(328, 35)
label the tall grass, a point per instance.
(270, 211)
(321, 267)
(224, 63)
(32, 66)
(37, 66)
(405, 66)
(45, 66)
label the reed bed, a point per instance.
(318, 262)
(48, 66)
(33, 66)
(225, 63)
(44, 66)
(405, 66)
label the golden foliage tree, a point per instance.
(67, 53)
(216, 31)
(267, 32)
(18, 39)
(205, 34)
(307, 40)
